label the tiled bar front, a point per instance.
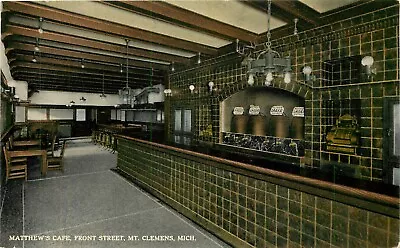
(250, 206)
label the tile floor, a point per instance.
(90, 206)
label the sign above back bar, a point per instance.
(277, 110)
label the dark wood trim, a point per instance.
(7, 133)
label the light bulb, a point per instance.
(83, 66)
(40, 30)
(191, 87)
(367, 61)
(268, 79)
(37, 49)
(287, 78)
(34, 60)
(307, 70)
(250, 81)
(211, 85)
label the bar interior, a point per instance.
(261, 123)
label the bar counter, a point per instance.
(248, 205)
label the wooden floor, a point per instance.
(91, 206)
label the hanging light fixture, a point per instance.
(34, 60)
(268, 62)
(199, 59)
(126, 93)
(40, 29)
(103, 96)
(37, 49)
(172, 67)
(82, 64)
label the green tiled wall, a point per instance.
(247, 208)
(374, 33)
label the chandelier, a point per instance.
(126, 93)
(267, 63)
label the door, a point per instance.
(391, 120)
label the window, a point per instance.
(183, 126)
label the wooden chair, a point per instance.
(50, 150)
(8, 147)
(56, 162)
(15, 169)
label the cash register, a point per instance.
(344, 137)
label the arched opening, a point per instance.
(265, 119)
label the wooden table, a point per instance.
(32, 153)
(25, 143)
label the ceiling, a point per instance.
(161, 35)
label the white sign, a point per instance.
(277, 110)
(298, 112)
(238, 111)
(254, 110)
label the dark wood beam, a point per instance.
(89, 58)
(186, 18)
(63, 85)
(22, 65)
(77, 63)
(70, 82)
(298, 10)
(104, 26)
(286, 11)
(78, 76)
(78, 41)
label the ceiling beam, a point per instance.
(78, 41)
(186, 18)
(16, 65)
(89, 58)
(298, 10)
(55, 74)
(77, 63)
(110, 85)
(65, 86)
(288, 10)
(104, 26)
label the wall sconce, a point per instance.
(82, 99)
(191, 88)
(368, 61)
(168, 92)
(211, 85)
(307, 70)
